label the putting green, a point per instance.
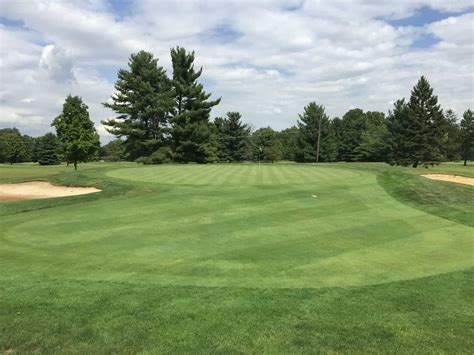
(238, 225)
(238, 174)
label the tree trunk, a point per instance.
(465, 162)
(415, 164)
(75, 164)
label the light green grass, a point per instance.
(234, 258)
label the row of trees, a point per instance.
(163, 119)
(18, 148)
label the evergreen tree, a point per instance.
(451, 144)
(192, 133)
(143, 102)
(316, 139)
(467, 136)
(76, 132)
(351, 127)
(399, 141)
(232, 137)
(373, 143)
(47, 149)
(418, 129)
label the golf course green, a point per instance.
(278, 258)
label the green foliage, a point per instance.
(191, 132)
(143, 102)
(48, 149)
(467, 136)
(373, 141)
(113, 151)
(265, 145)
(232, 137)
(14, 148)
(162, 155)
(451, 137)
(418, 128)
(315, 125)
(289, 142)
(350, 130)
(76, 131)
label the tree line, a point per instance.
(163, 119)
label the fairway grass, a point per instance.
(239, 258)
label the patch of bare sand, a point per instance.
(40, 189)
(451, 178)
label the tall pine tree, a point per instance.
(316, 139)
(191, 132)
(143, 102)
(421, 129)
(76, 131)
(467, 136)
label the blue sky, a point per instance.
(266, 59)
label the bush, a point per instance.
(162, 155)
(143, 160)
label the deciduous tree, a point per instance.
(76, 132)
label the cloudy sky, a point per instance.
(266, 59)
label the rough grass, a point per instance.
(237, 258)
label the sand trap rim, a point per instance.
(457, 179)
(40, 189)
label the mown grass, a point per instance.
(237, 258)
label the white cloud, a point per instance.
(263, 60)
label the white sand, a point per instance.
(451, 178)
(40, 189)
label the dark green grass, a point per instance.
(429, 315)
(237, 258)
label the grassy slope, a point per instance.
(121, 286)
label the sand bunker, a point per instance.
(40, 189)
(451, 178)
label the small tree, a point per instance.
(467, 136)
(47, 149)
(316, 138)
(76, 131)
(232, 137)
